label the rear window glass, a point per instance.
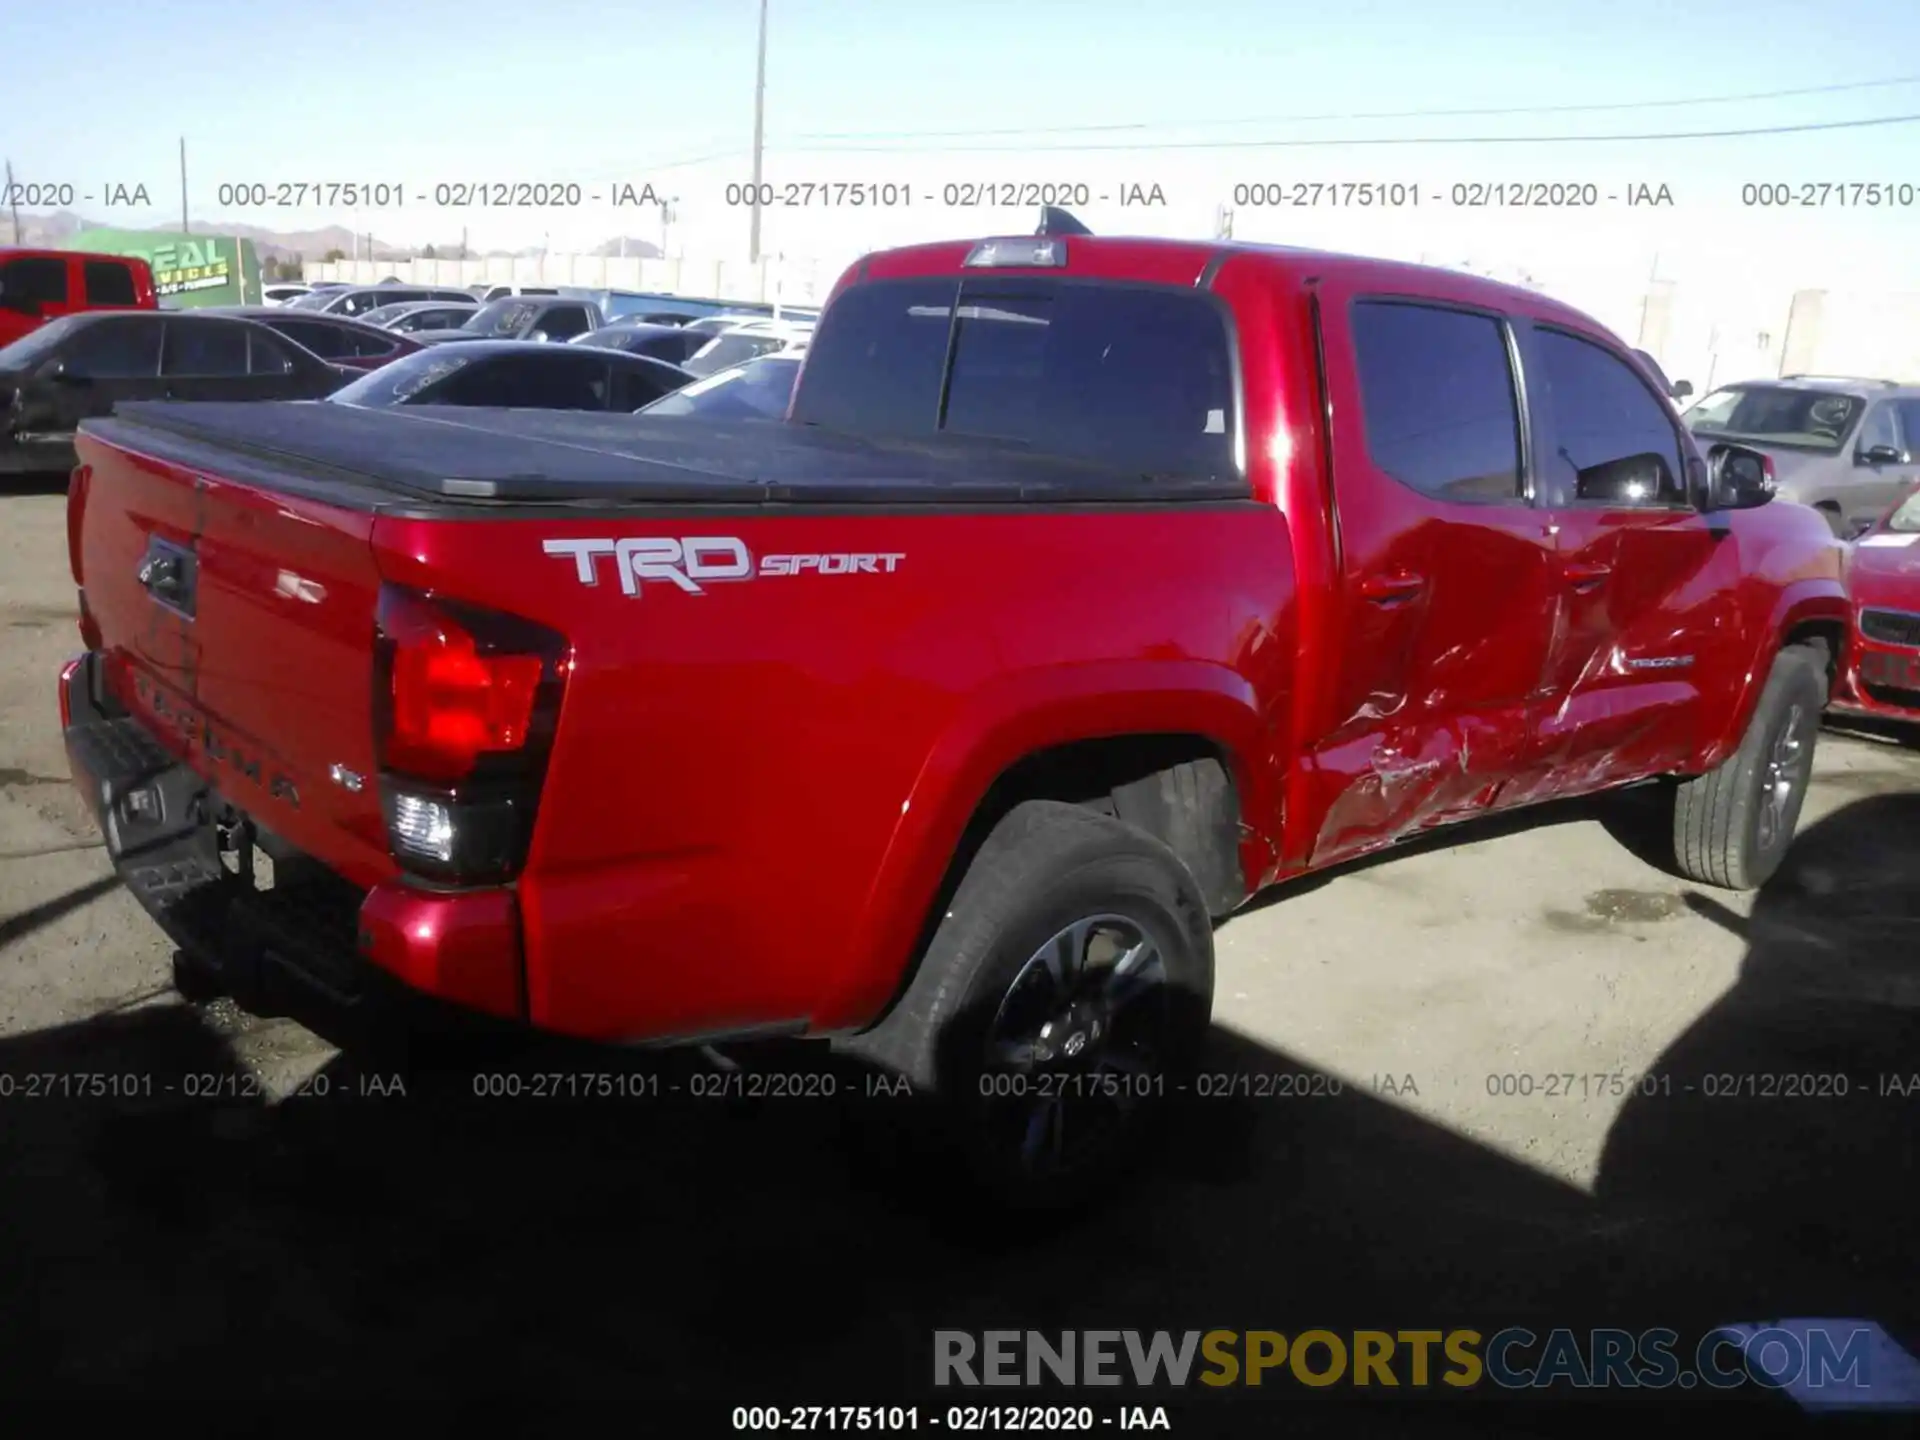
(1135, 377)
(109, 283)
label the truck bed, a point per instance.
(413, 457)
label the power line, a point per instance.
(1140, 145)
(1137, 125)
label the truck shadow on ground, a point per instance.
(392, 1243)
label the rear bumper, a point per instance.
(311, 928)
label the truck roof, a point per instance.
(1173, 261)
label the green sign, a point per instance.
(188, 270)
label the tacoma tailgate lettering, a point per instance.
(685, 562)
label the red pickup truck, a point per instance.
(1090, 586)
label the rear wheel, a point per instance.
(1062, 1002)
(1732, 826)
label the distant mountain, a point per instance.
(55, 227)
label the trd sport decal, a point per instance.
(687, 561)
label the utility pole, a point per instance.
(759, 132)
(184, 228)
(13, 200)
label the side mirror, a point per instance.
(1859, 528)
(538, 335)
(57, 372)
(1682, 389)
(1738, 478)
(1630, 480)
(1879, 455)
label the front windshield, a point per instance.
(505, 316)
(759, 389)
(33, 347)
(400, 381)
(1906, 519)
(1777, 415)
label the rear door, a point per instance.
(109, 359)
(1446, 582)
(1643, 598)
(204, 358)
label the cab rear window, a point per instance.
(1135, 376)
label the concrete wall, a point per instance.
(797, 282)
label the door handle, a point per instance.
(1587, 577)
(1392, 588)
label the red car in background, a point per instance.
(1882, 672)
(41, 285)
(336, 339)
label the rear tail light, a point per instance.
(465, 708)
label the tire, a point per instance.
(1044, 1095)
(1732, 826)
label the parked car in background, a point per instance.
(37, 286)
(279, 292)
(487, 294)
(410, 315)
(516, 318)
(743, 341)
(1880, 674)
(1848, 447)
(356, 300)
(672, 343)
(517, 374)
(334, 338)
(758, 390)
(80, 366)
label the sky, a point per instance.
(1187, 102)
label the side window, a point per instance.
(266, 355)
(637, 385)
(115, 350)
(204, 348)
(366, 345)
(329, 342)
(531, 382)
(109, 284)
(1614, 440)
(563, 322)
(1910, 429)
(33, 281)
(1437, 398)
(1878, 429)
(570, 382)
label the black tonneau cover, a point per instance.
(447, 453)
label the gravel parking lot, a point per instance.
(397, 1242)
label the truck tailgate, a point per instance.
(259, 673)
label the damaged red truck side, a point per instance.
(1091, 586)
